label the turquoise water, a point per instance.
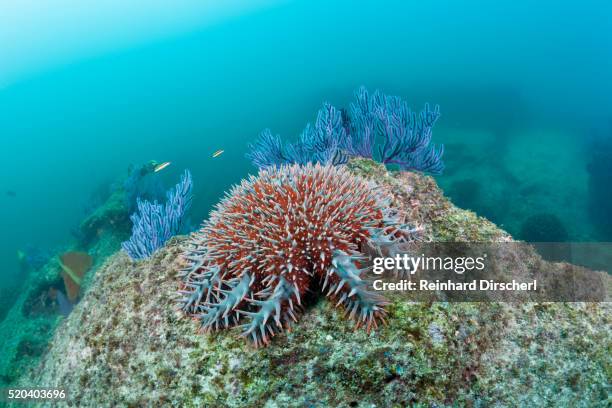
(524, 90)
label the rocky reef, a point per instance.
(34, 311)
(125, 343)
(31, 321)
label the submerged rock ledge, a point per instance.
(125, 345)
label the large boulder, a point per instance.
(126, 345)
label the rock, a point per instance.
(111, 217)
(126, 345)
(30, 323)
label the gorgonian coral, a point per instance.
(376, 126)
(383, 127)
(274, 238)
(318, 143)
(154, 223)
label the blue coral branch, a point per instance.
(268, 150)
(318, 143)
(376, 126)
(405, 138)
(154, 224)
(324, 140)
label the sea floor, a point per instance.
(520, 178)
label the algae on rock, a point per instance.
(126, 344)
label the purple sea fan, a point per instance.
(275, 238)
(322, 143)
(383, 128)
(154, 224)
(376, 126)
(318, 143)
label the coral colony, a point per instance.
(274, 238)
(154, 224)
(376, 126)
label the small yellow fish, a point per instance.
(160, 167)
(217, 153)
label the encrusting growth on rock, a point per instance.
(278, 236)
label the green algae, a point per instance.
(464, 226)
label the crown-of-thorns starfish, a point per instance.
(279, 235)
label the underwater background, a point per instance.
(524, 91)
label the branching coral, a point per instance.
(376, 126)
(384, 128)
(318, 143)
(275, 238)
(154, 224)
